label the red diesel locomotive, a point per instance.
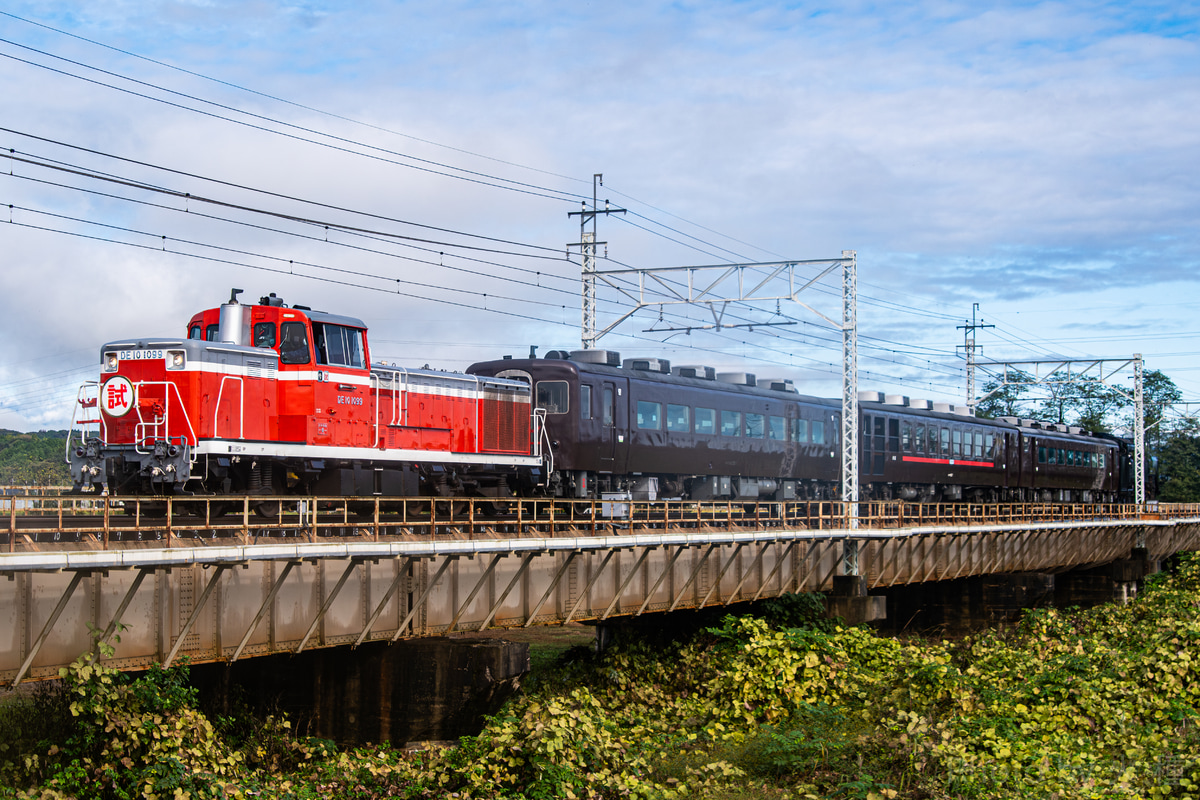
(271, 399)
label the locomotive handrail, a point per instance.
(540, 433)
(166, 418)
(80, 403)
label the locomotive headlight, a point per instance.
(176, 359)
(110, 362)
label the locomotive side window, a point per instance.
(754, 425)
(799, 430)
(210, 333)
(777, 428)
(648, 415)
(731, 423)
(194, 332)
(340, 346)
(608, 405)
(818, 432)
(585, 401)
(706, 421)
(678, 418)
(293, 348)
(264, 334)
(552, 396)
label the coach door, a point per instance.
(614, 422)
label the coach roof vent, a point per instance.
(870, 397)
(695, 371)
(779, 384)
(609, 358)
(942, 407)
(659, 365)
(737, 378)
(919, 403)
(895, 400)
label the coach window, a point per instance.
(880, 425)
(264, 334)
(945, 442)
(677, 418)
(906, 436)
(1100, 460)
(799, 430)
(818, 432)
(894, 435)
(706, 421)
(293, 343)
(553, 396)
(919, 439)
(608, 405)
(648, 415)
(777, 428)
(731, 423)
(585, 401)
(754, 426)
(978, 445)
(957, 451)
(1041, 455)
(989, 446)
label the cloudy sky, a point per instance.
(414, 163)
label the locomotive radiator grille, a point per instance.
(505, 423)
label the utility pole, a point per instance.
(968, 330)
(587, 244)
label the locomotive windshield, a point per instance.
(294, 347)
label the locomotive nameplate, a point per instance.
(141, 355)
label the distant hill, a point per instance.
(33, 459)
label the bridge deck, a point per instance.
(329, 573)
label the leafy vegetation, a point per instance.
(33, 459)
(1069, 704)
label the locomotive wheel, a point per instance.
(268, 509)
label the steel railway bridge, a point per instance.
(213, 579)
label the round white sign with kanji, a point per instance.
(116, 396)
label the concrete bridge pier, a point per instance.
(850, 601)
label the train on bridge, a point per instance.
(272, 399)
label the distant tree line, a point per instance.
(33, 459)
(1172, 441)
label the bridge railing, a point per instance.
(117, 521)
